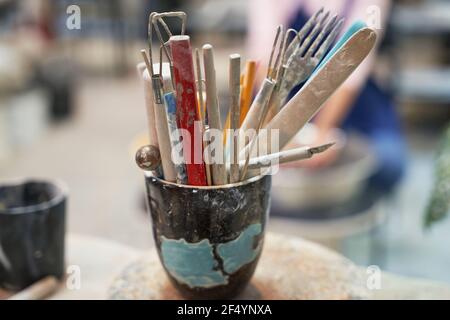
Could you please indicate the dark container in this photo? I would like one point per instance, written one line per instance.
(209, 239)
(32, 230)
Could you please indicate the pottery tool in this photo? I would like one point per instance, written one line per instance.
(303, 32)
(218, 170)
(187, 112)
(274, 102)
(247, 89)
(354, 28)
(258, 111)
(234, 83)
(258, 108)
(200, 80)
(309, 53)
(39, 290)
(174, 136)
(208, 161)
(148, 158)
(307, 102)
(158, 18)
(285, 156)
(149, 107)
(162, 128)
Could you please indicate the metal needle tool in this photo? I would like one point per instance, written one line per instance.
(148, 158)
(159, 18)
(259, 108)
(285, 156)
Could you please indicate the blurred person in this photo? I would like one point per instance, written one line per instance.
(359, 105)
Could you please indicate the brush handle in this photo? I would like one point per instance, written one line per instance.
(188, 117)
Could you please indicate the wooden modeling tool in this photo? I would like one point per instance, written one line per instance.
(149, 107)
(39, 290)
(162, 128)
(218, 169)
(307, 102)
(207, 136)
(234, 80)
(247, 89)
(187, 112)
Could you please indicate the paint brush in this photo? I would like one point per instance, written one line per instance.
(218, 170)
(188, 118)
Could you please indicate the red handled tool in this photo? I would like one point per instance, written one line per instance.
(188, 117)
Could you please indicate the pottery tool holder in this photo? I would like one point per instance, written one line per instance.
(209, 218)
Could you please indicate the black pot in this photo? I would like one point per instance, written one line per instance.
(32, 230)
(209, 239)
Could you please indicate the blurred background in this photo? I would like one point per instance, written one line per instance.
(72, 108)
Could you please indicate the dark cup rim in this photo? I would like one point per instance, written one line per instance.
(148, 174)
(60, 195)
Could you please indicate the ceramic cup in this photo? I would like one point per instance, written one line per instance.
(209, 239)
(32, 229)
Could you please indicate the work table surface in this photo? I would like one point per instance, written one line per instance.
(317, 272)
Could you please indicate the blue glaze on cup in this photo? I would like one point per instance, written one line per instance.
(192, 263)
(195, 265)
(240, 251)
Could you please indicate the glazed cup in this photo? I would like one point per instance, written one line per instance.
(32, 231)
(209, 239)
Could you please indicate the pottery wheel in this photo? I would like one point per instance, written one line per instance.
(289, 268)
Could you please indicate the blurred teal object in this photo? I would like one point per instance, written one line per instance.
(439, 204)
